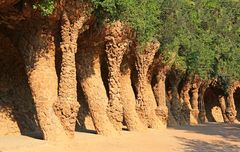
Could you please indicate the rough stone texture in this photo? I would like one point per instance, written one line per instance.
(116, 45)
(230, 108)
(171, 120)
(67, 103)
(202, 112)
(84, 119)
(89, 75)
(146, 103)
(195, 101)
(160, 95)
(131, 117)
(217, 114)
(195, 110)
(185, 101)
(176, 105)
(213, 99)
(7, 3)
(222, 103)
(230, 105)
(67, 106)
(88, 123)
(38, 49)
(11, 16)
(17, 111)
(8, 125)
(57, 106)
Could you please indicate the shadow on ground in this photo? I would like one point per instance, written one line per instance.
(202, 146)
(231, 132)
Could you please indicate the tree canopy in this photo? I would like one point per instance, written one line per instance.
(203, 37)
(198, 37)
(141, 15)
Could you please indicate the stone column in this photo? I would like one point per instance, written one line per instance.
(194, 100)
(67, 106)
(202, 110)
(185, 100)
(175, 78)
(38, 49)
(222, 103)
(89, 70)
(131, 117)
(146, 105)
(230, 107)
(160, 96)
(116, 46)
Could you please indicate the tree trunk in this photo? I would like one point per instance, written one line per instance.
(67, 106)
(90, 78)
(146, 101)
(116, 46)
(131, 117)
(38, 49)
(160, 96)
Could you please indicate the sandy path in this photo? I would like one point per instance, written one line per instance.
(208, 137)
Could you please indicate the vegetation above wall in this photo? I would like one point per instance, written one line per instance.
(198, 37)
(45, 6)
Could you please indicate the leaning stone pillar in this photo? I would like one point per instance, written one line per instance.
(38, 49)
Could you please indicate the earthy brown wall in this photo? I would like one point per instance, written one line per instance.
(17, 111)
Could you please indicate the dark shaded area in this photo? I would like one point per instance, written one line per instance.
(201, 146)
(104, 71)
(84, 107)
(15, 93)
(236, 96)
(168, 88)
(87, 131)
(210, 101)
(83, 110)
(87, 54)
(231, 132)
(134, 79)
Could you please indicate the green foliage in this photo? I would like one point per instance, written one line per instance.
(141, 15)
(202, 37)
(198, 37)
(45, 6)
(181, 30)
(225, 28)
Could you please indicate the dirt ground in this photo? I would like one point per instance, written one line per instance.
(209, 137)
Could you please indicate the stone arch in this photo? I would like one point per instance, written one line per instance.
(230, 101)
(212, 105)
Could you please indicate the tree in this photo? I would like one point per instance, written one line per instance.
(203, 38)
